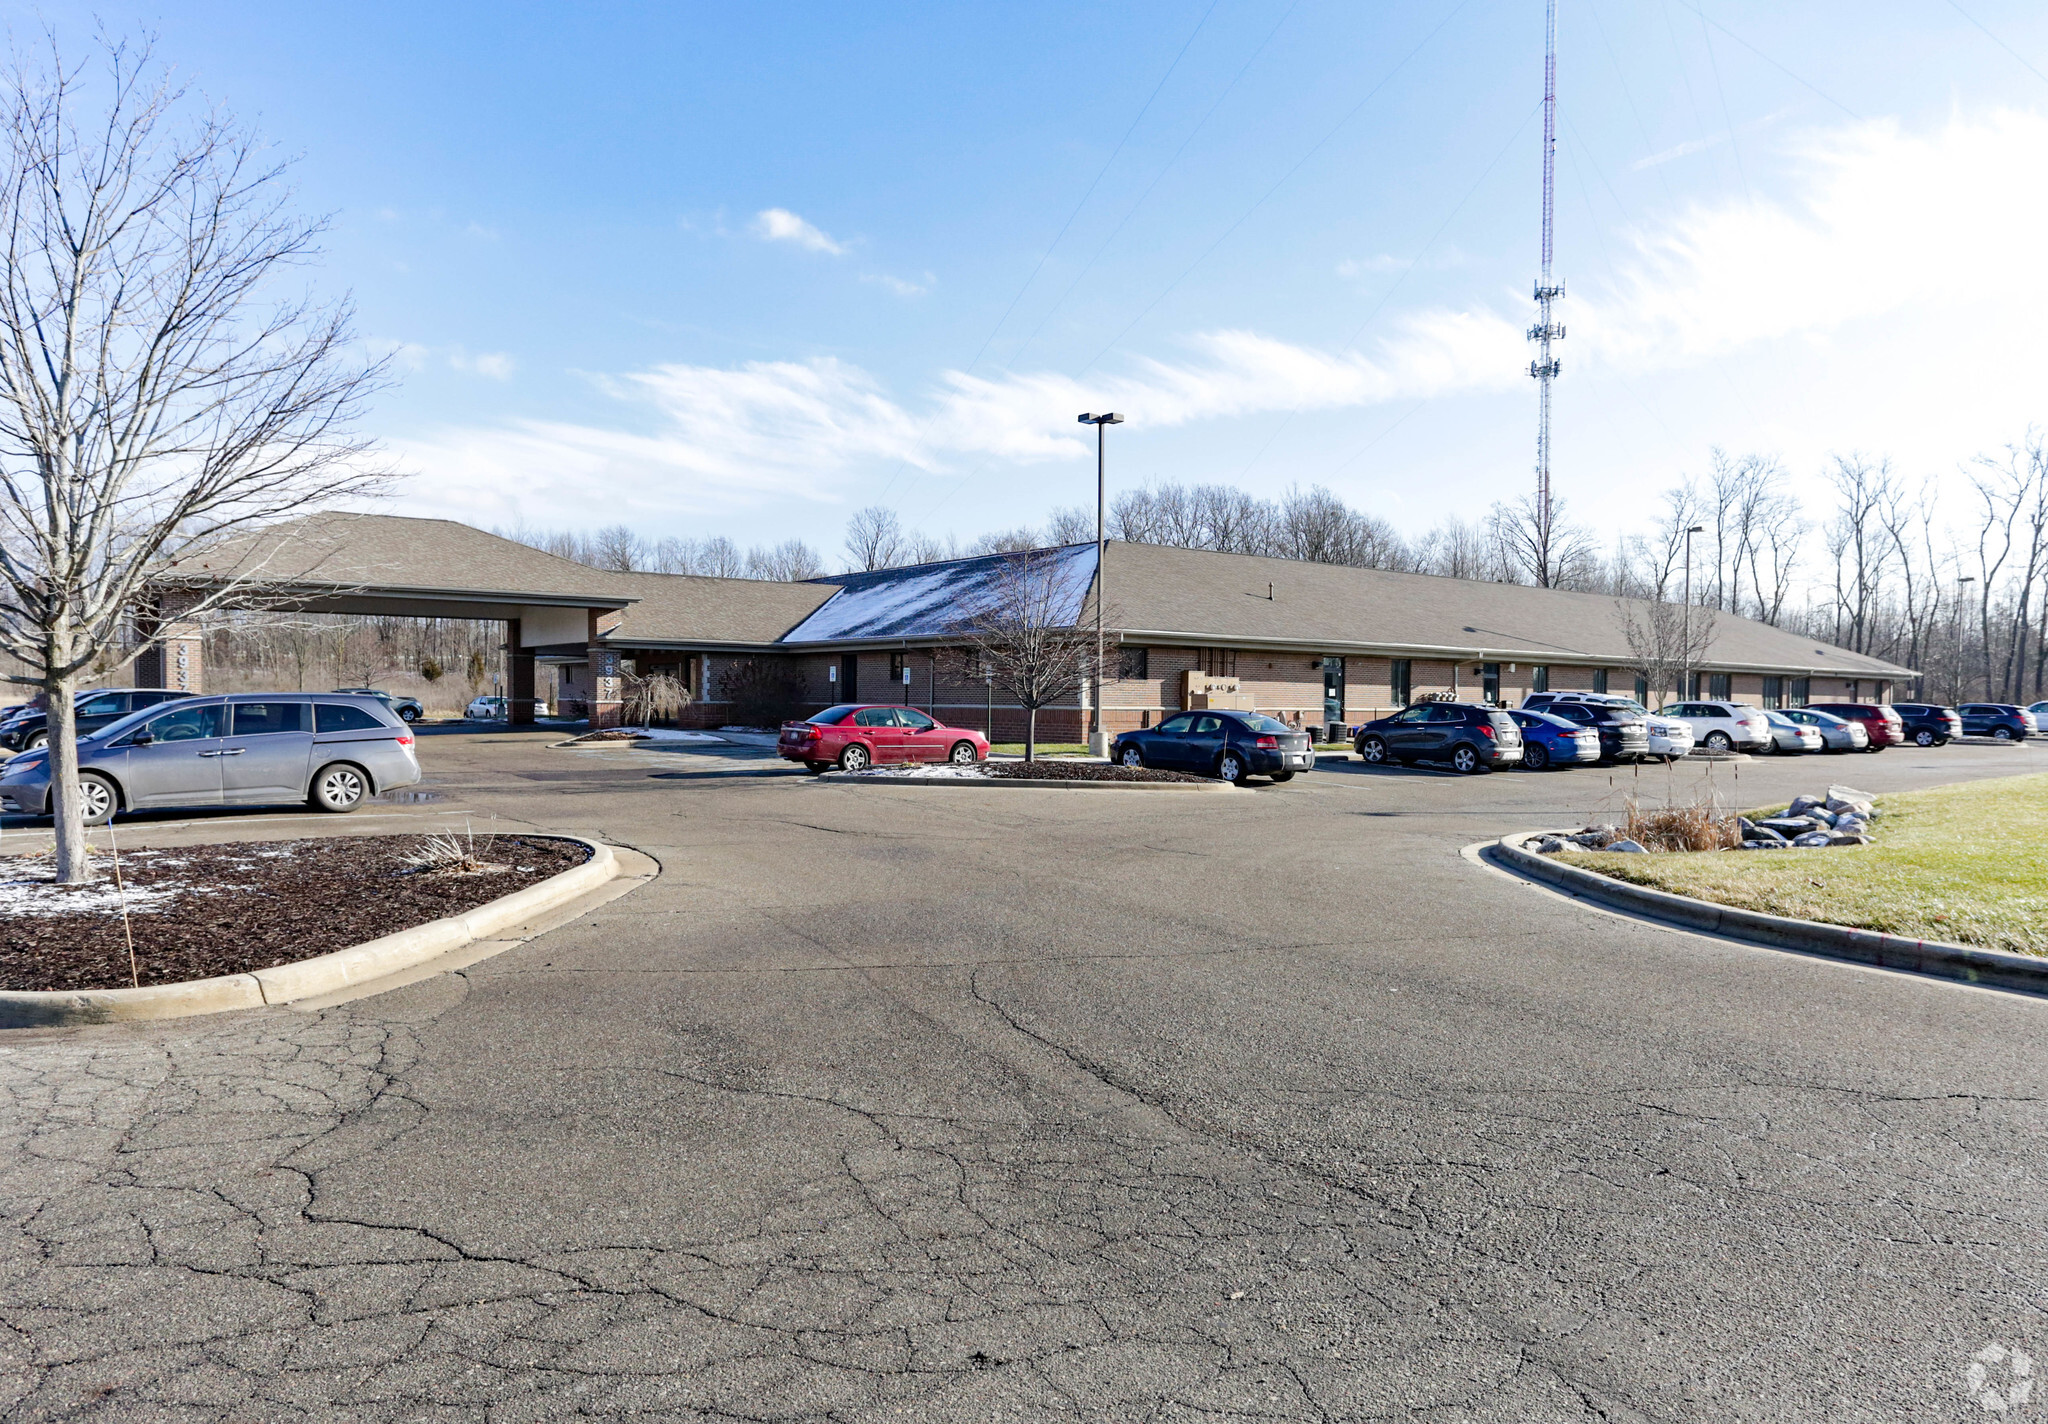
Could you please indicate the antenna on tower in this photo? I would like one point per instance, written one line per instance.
(1548, 291)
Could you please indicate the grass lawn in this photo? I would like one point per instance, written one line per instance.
(1965, 863)
(1044, 748)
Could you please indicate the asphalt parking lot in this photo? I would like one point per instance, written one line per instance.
(888, 1102)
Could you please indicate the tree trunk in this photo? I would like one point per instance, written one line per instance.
(1031, 734)
(68, 823)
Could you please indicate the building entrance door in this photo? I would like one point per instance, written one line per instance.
(1489, 682)
(1333, 689)
(849, 678)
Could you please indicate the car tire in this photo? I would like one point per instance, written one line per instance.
(963, 754)
(408, 714)
(338, 788)
(856, 758)
(1283, 776)
(1372, 751)
(2001, 734)
(1923, 738)
(1465, 759)
(1230, 767)
(98, 799)
(1719, 742)
(36, 740)
(1131, 756)
(1535, 756)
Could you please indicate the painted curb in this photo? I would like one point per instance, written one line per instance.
(850, 778)
(322, 974)
(1987, 968)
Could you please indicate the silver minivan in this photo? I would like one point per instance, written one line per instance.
(329, 750)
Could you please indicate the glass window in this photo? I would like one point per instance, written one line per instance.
(1774, 693)
(1802, 691)
(1218, 662)
(875, 717)
(255, 718)
(1413, 714)
(1441, 713)
(1599, 679)
(832, 716)
(1642, 689)
(1260, 722)
(1205, 725)
(1402, 681)
(915, 720)
(105, 706)
(1133, 664)
(1717, 685)
(339, 717)
(186, 724)
(1539, 678)
(1174, 726)
(895, 667)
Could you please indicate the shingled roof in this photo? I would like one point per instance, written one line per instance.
(692, 610)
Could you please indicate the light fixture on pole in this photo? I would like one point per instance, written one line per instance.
(1685, 638)
(1098, 740)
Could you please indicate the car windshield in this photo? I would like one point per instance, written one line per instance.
(1260, 722)
(833, 716)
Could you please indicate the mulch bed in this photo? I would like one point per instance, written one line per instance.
(201, 911)
(611, 734)
(1082, 771)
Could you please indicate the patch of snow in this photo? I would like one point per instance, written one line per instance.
(931, 599)
(40, 897)
(942, 771)
(672, 734)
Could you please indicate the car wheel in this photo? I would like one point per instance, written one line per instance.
(856, 758)
(1283, 776)
(1720, 742)
(1230, 768)
(2002, 734)
(36, 739)
(408, 714)
(1535, 756)
(1372, 751)
(96, 798)
(339, 787)
(1923, 738)
(1132, 757)
(963, 754)
(1465, 759)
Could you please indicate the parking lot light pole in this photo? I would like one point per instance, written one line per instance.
(1685, 638)
(1098, 739)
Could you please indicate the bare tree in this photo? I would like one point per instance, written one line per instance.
(618, 548)
(874, 539)
(1550, 553)
(156, 390)
(1027, 639)
(1070, 524)
(1665, 641)
(792, 561)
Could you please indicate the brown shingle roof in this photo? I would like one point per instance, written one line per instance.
(688, 608)
(1195, 594)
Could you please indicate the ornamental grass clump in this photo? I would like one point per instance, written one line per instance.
(1700, 826)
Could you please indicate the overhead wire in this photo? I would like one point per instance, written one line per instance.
(1721, 92)
(1795, 78)
(1999, 42)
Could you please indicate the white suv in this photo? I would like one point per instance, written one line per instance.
(1670, 738)
(1725, 726)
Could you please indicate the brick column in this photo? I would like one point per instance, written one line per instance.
(607, 695)
(173, 659)
(518, 677)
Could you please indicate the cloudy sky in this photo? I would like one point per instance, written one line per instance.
(743, 269)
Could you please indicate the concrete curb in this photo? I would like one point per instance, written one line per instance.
(322, 974)
(850, 778)
(1987, 968)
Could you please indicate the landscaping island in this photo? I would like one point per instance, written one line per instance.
(1964, 864)
(1030, 771)
(197, 912)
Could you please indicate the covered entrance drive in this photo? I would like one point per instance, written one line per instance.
(379, 564)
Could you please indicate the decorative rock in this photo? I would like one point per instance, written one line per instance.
(1786, 826)
(1848, 798)
(1549, 845)
(1629, 847)
(1802, 804)
(1764, 845)
(1842, 840)
(1813, 839)
(1766, 834)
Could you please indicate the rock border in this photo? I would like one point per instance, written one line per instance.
(1986, 968)
(323, 973)
(851, 778)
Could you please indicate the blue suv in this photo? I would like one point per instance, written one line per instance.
(1997, 719)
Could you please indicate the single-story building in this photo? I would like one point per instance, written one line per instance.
(1314, 643)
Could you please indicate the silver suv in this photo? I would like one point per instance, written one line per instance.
(327, 750)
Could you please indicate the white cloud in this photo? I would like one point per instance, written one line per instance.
(1680, 150)
(496, 365)
(900, 286)
(782, 225)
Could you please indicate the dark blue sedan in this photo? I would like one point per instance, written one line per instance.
(1997, 719)
(1549, 741)
(1229, 745)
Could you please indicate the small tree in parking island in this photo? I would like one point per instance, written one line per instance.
(1026, 640)
(1665, 641)
(157, 389)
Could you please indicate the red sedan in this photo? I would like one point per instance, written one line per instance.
(855, 738)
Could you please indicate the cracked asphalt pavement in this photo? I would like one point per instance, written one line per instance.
(888, 1103)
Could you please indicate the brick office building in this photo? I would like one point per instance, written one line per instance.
(1308, 642)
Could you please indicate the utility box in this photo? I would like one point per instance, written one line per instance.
(1200, 691)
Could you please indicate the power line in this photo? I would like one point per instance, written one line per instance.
(1721, 92)
(1999, 42)
(1803, 83)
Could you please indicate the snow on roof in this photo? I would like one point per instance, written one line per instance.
(935, 600)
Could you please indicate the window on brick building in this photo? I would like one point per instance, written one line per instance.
(1539, 678)
(1718, 682)
(1600, 680)
(1401, 681)
(1133, 664)
(895, 667)
(1774, 693)
(1802, 691)
(1217, 662)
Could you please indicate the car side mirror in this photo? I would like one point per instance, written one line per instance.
(141, 739)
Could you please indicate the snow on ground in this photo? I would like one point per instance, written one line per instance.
(34, 894)
(672, 734)
(944, 771)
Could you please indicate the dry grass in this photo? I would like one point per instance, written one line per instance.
(1701, 826)
(451, 854)
(1962, 863)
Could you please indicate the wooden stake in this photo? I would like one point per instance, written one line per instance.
(127, 931)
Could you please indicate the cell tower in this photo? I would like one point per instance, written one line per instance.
(1548, 292)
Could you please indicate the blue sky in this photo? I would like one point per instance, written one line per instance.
(742, 269)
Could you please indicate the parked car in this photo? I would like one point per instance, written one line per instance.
(1837, 734)
(498, 709)
(407, 708)
(855, 737)
(1624, 732)
(1790, 737)
(1929, 724)
(1997, 719)
(1725, 726)
(254, 748)
(31, 729)
(1670, 738)
(2040, 711)
(1880, 722)
(1224, 744)
(1549, 741)
(1470, 737)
